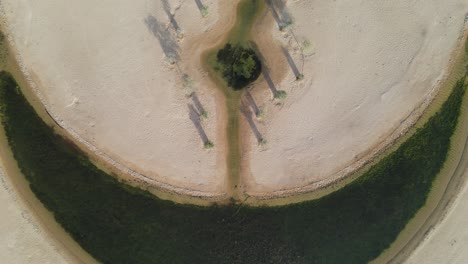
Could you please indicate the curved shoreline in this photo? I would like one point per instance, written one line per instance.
(39, 216)
(446, 189)
(101, 159)
(407, 127)
(186, 195)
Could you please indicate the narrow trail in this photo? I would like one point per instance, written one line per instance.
(247, 15)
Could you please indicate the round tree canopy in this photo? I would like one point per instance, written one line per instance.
(239, 65)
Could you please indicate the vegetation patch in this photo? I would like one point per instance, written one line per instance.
(3, 48)
(238, 65)
(117, 223)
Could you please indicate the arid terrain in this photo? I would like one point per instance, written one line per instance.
(116, 81)
(340, 83)
(128, 83)
(370, 69)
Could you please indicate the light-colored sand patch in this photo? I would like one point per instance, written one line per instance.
(29, 232)
(103, 70)
(448, 240)
(371, 69)
(22, 239)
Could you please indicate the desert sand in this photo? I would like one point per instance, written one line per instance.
(124, 78)
(127, 82)
(370, 69)
(116, 79)
(29, 232)
(447, 241)
(23, 240)
(447, 238)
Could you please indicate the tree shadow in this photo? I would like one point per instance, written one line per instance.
(252, 102)
(248, 115)
(200, 6)
(194, 116)
(265, 69)
(290, 61)
(197, 104)
(170, 15)
(280, 12)
(166, 40)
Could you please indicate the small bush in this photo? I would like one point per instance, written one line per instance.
(307, 48)
(286, 25)
(281, 94)
(239, 66)
(204, 11)
(209, 144)
(204, 115)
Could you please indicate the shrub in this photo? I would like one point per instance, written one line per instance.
(280, 94)
(239, 66)
(204, 11)
(209, 144)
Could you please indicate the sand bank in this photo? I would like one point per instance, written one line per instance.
(127, 83)
(29, 231)
(116, 79)
(370, 70)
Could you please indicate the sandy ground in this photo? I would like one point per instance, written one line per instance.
(359, 93)
(447, 240)
(106, 75)
(369, 72)
(29, 232)
(22, 239)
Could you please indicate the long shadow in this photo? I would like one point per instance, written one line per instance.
(167, 9)
(280, 12)
(252, 102)
(271, 84)
(290, 61)
(197, 103)
(166, 40)
(200, 6)
(265, 69)
(248, 115)
(273, 11)
(193, 115)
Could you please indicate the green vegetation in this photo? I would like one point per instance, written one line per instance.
(236, 61)
(280, 94)
(204, 115)
(208, 144)
(239, 35)
(204, 11)
(3, 48)
(117, 223)
(286, 24)
(307, 48)
(247, 12)
(238, 65)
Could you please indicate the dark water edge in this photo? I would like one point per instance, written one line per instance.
(117, 223)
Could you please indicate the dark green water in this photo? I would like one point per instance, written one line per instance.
(117, 223)
(120, 224)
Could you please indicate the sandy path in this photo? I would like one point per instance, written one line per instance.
(367, 79)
